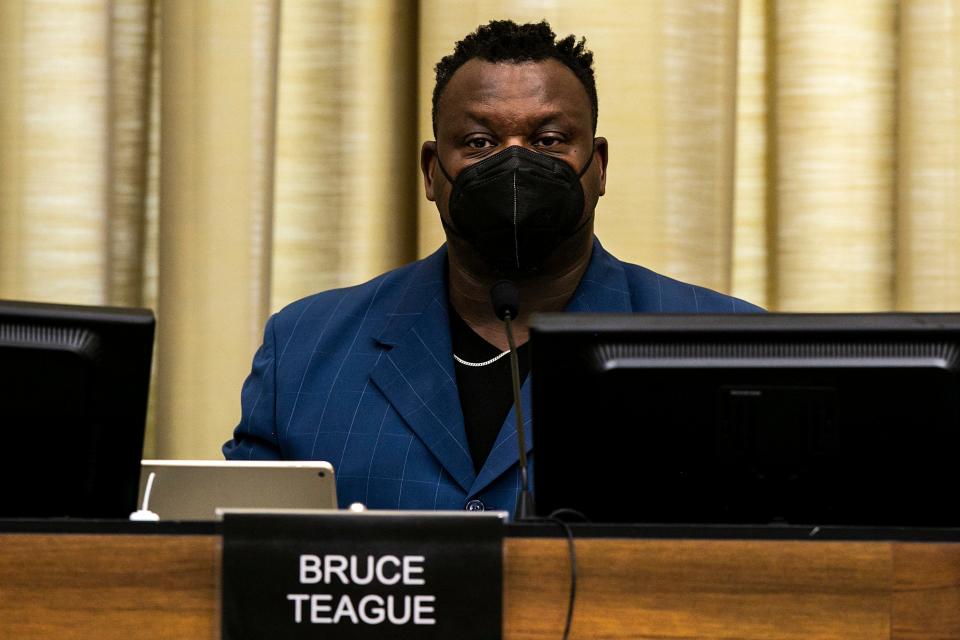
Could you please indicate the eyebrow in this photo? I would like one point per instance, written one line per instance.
(544, 119)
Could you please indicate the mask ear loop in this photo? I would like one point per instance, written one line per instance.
(449, 228)
(593, 147)
(580, 175)
(440, 164)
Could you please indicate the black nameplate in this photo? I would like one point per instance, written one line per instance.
(364, 575)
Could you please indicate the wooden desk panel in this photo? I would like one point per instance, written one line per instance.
(701, 589)
(68, 586)
(164, 586)
(926, 600)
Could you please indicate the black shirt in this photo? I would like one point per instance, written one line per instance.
(486, 393)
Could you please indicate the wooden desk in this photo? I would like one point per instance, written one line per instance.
(125, 585)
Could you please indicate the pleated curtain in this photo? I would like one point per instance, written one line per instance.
(216, 159)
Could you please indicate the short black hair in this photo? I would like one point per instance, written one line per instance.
(507, 41)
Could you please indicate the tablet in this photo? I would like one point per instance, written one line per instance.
(195, 489)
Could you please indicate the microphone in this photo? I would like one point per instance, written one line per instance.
(143, 514)
(506, 302)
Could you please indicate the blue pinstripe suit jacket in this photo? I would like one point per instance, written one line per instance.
(363, 377)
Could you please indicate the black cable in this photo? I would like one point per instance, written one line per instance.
(572, 551)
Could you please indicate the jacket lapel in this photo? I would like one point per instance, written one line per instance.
(416, 371)
(505, 452)
(603, 289)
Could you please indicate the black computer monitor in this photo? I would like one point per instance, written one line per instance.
(73, 404)
(839, 419)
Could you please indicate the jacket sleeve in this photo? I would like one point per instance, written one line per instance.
(255, 438)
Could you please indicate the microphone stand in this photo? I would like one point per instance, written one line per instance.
(504, 298)
(524, 509)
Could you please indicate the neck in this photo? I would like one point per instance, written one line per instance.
(546, 291)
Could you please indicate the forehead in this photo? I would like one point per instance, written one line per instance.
(512, 90)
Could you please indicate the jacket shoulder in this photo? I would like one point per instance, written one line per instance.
(653, 292)
(368, 303)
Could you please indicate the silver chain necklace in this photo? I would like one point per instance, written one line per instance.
(480, 364)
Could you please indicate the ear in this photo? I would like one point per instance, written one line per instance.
(428, 163)
(601, 153)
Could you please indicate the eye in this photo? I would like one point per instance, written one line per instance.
(548, 141)
(479, 143)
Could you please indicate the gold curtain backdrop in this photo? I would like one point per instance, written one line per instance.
(217, 159)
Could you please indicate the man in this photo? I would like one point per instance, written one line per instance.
(400, 382)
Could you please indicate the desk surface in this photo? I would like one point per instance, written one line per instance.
(535, 530)
(115, 580)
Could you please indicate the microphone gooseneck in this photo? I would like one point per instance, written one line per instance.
(505, 299)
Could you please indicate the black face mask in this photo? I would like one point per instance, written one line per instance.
(516, 207)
